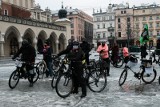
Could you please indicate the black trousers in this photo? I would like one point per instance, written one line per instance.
(107, 60)
(78, 79)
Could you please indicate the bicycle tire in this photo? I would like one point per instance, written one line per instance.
(36, 76)
(123, 76)
(97, 81)
(146, 76)
(54, 79)
(16, 76)
(41, 67)
(93, 64)
(64, 85)
(119, 65)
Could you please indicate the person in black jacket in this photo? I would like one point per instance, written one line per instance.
(28, 54)
(75, 55)
(86, 49)
(47, 57)
(144, 51)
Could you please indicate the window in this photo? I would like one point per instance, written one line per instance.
(119, 20)
(157, 25)
(121, 12)
(98, 27)
(124, 12)
(110, 24)
(5, 12)
(104, 35)
(38, 16)
(103, 25)
(103, 18)
(111, 34)
(98, 18)
(150, 18)
(72, 31)
(144, 18)
(98, 36)
(158, 17)
(110, 17)
(119, 26)
(72, 25)
(150, 25)
(128, 19)
(143, 11)
(158, 33)
(70, 13)
(119, 34)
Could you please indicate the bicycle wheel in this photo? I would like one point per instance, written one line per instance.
(119, 63)
(41, 67)
(123, 77)
(97, 81)
(93, 64)
(54, 79)
(14, 79)
(149, 77)
(36, 75)
(64, 85)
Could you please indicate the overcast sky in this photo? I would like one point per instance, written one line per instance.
(88, 5)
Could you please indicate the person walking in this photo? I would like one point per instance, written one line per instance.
(115, 52)
(103, 50)
(144, 51)
(86, 49)
(47, 57)
(28, 54)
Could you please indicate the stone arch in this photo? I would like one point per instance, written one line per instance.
(11, 41)
(62, 42)
(53, 40)
(42, 36)
(30, 36)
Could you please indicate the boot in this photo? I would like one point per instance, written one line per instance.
(75, 91)
(84, 91)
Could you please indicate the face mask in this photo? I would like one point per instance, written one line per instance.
(103, 44)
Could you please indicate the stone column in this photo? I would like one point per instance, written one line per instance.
(1, 44)
(57, 42)
(35, 43)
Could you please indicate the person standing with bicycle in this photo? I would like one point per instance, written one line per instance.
(104, 52)
(47, 57)
(28, 54)
(76, 55)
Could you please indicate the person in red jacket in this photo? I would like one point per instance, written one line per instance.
(125, 54)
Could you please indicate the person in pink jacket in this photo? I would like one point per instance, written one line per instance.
(125, 54)
(104, 52)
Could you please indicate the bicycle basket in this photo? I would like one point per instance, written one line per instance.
(147, 63)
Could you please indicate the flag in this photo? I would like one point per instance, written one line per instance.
(145, 35)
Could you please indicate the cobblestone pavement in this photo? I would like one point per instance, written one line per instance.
(131, 94)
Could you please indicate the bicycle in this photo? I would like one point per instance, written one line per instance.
(119, 61)
(60, 70)
(64, 83)
(41, 66)
(147, 77)
(17, 74)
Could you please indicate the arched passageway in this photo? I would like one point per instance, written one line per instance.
(40, 42)
(30, 36)
(12, 39)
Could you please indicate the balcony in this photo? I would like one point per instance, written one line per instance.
(110, 29)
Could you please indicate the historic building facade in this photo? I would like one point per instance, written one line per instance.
(81, 24)
(104, 24)
(16, 27)
(130, 24)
